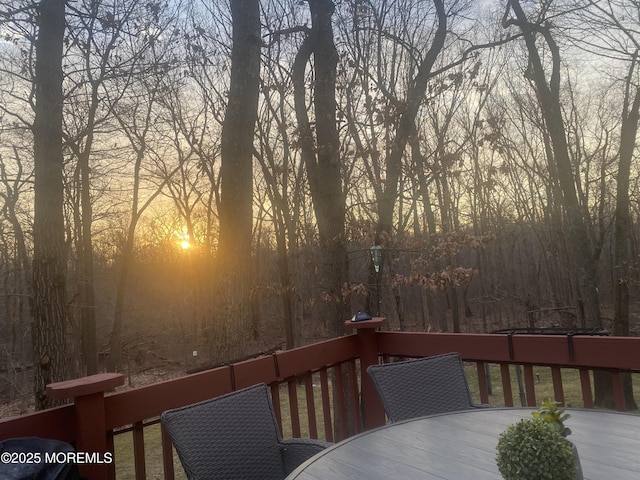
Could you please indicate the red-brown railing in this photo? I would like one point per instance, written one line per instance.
(584, 353)
(316, 375)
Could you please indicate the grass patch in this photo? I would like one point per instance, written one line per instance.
(123, 449)
(287, 427)
(543, 385)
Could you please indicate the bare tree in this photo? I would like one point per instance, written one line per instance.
(321, 156)
(548, 90)
(616, 40)
(93, 24)
(406, 123)
(136, 120)
(283, 178)
(547, 87)
(49, 259)
(236, 202)
(16, 178)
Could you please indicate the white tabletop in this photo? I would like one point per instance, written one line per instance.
(461, 446)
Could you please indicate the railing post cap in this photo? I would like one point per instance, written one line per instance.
(375, 322)
(79, 387)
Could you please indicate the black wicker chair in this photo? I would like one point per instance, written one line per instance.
(425, 386)
(235, 436)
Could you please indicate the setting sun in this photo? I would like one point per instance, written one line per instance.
(184, 239)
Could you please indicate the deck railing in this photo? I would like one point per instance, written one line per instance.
(317, 390)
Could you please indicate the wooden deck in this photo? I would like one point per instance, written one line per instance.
(329, 375)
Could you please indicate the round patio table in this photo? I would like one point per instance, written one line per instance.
(461, 446)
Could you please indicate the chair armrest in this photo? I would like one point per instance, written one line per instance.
(297, 450)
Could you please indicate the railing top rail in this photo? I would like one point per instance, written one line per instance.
(593, 352)
(146, 402)
(57, 422)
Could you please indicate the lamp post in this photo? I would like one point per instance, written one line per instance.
(376, 258)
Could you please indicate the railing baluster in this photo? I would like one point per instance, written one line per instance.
(530, 386)
(355, 397)
(326, 405)
(275, 398)
(618, 391)
(293, 407)
(585, 383)
(167, 454)
(311, 406)
(507, 392)
(558, 390)
(338, 393)
(138, 451)
(111, 470)
(482, 382)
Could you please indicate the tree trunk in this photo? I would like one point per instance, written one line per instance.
(87, 288)
(236, 207)
(436, 301)
(291, 319)
(622, 229)
(49, 258)
(236, 171)
(114, 363)
(322, 159)
(326, 174)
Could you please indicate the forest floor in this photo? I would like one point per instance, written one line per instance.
(24, 402)
(160, 357)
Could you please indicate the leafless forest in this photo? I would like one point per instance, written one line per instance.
(187, 182)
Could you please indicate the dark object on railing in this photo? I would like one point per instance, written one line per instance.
(33, 458)
(361, 316)
(251, 356)
(569, 332)
(235, 436)
(552, 331)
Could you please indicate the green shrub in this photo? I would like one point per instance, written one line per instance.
(535, 450)
(550, 413)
